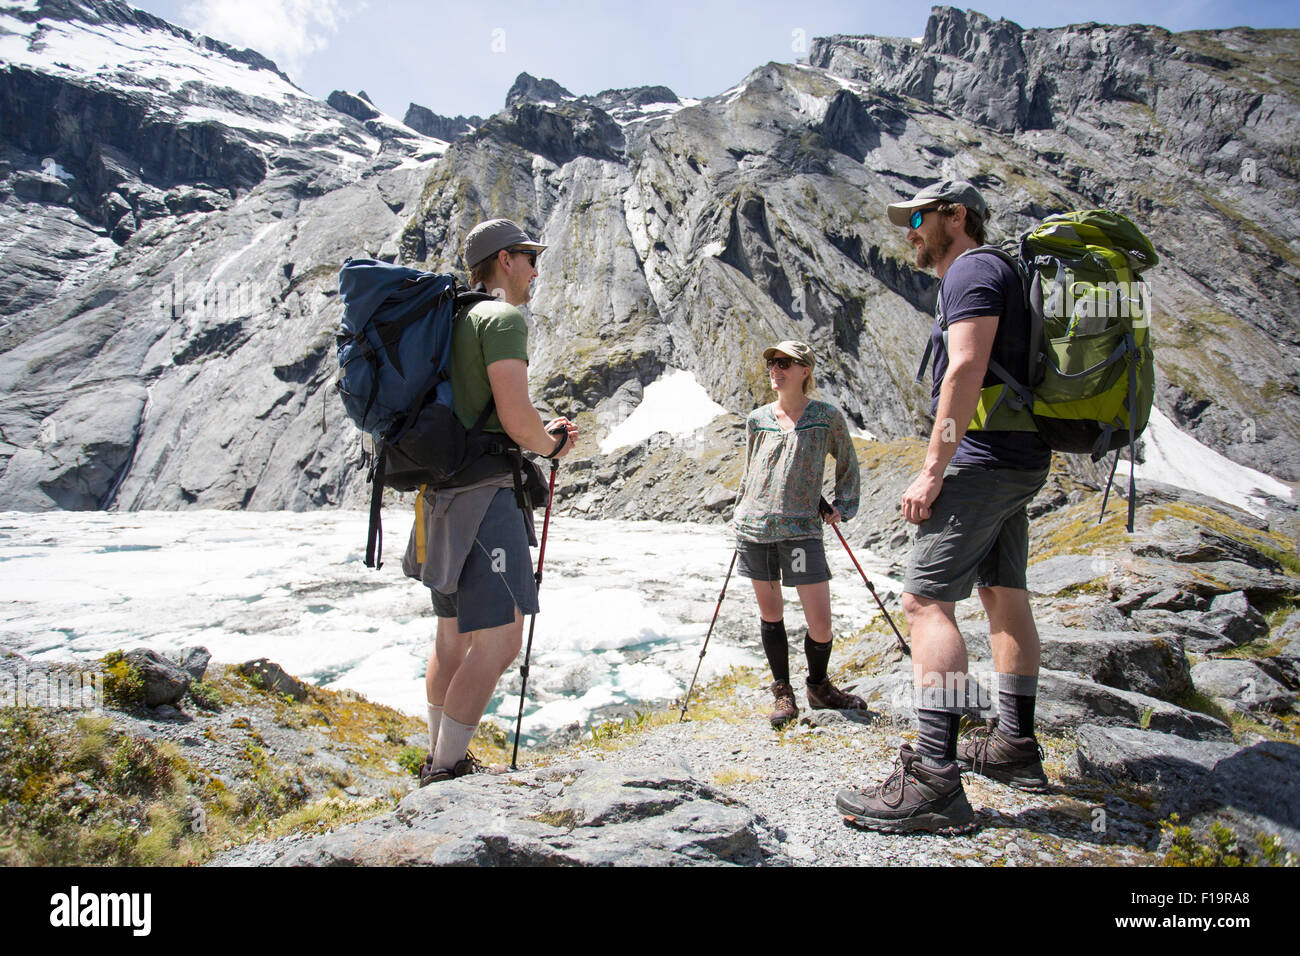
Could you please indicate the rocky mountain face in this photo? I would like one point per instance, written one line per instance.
(424, 120)
(175, 221)
(174, 212)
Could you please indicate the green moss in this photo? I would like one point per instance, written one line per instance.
(323, 816)
(560, 819)
(123, 682)
(1255, 650)
(1221, 846)
(1075, 530)
(140, 767)
(411, 759)
(205, 696)
(901, 453)
(268, 790)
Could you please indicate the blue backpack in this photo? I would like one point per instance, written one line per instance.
(394, 351)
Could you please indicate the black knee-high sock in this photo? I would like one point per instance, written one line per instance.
(937, 741)
(777, 649)
(1017, 695)
(819, 658)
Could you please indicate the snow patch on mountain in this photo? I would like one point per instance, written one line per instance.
(1176, 458)
(677, 403)
(128, 56)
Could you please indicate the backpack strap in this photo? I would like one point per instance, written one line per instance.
(1023, 398)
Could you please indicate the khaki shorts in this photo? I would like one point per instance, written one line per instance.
(977, 534)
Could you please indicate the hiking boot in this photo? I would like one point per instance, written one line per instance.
(431, 774)
(461, 768)
(913, 798)
(786, 710)
(470, 764)
(1016, 761)
(826, 696)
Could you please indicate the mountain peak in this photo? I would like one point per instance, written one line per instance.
(531, 89)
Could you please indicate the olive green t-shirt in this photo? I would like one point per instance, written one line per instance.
(487, 333)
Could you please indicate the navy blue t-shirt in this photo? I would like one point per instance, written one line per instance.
(984, 284)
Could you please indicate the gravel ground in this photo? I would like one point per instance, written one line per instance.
(791, 778)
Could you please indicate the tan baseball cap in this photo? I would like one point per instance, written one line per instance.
(488, 238)
(796, 350)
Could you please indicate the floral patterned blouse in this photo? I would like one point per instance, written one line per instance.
(784, 473)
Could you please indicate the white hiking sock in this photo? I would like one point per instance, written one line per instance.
(453, 741)
(434, 719)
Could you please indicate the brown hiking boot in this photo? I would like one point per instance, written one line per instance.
(1016, 761)
(431, 774)
(786, 710)
(461, 768)
(913, 798)
(826, 696)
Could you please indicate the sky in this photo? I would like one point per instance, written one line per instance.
(461, 58)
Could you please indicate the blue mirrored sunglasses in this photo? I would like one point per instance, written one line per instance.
(918, 215)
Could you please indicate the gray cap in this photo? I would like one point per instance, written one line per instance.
(949, 190)
(488, 238)
(796, 350)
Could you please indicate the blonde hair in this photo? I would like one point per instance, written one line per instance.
(808, 383)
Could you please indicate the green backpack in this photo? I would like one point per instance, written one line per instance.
(1091, 378)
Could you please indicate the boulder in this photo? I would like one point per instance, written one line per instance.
(718, 497)
(585, 815)
(164, 681)
(1064, 572)
(272, 677)
(194, 660)
(1233, 617)
(1065, 702)
(1241, 685)
(1147, 664)
(1252, 787)
(1187, 625)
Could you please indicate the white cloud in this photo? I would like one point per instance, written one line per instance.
(287, 31)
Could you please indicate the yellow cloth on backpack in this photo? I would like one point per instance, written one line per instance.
(421, 542)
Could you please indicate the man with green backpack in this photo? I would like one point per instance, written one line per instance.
(1027, 358)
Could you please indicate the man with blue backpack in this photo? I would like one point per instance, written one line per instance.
(470, 543)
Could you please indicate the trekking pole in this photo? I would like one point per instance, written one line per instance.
(687, 699)
(824, 507)
(541, 557)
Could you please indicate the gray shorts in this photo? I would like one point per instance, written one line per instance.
(977, 534)
(799, 561)
(498, 573)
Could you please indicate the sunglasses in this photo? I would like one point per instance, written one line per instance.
(783, 363)
(918, 215)
(530, 253)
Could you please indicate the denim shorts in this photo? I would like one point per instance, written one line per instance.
(977, 534)
(798, 561)
(498, 573)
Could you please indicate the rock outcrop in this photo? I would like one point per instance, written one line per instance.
(585, 814)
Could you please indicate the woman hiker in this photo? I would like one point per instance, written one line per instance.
(778, 527)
